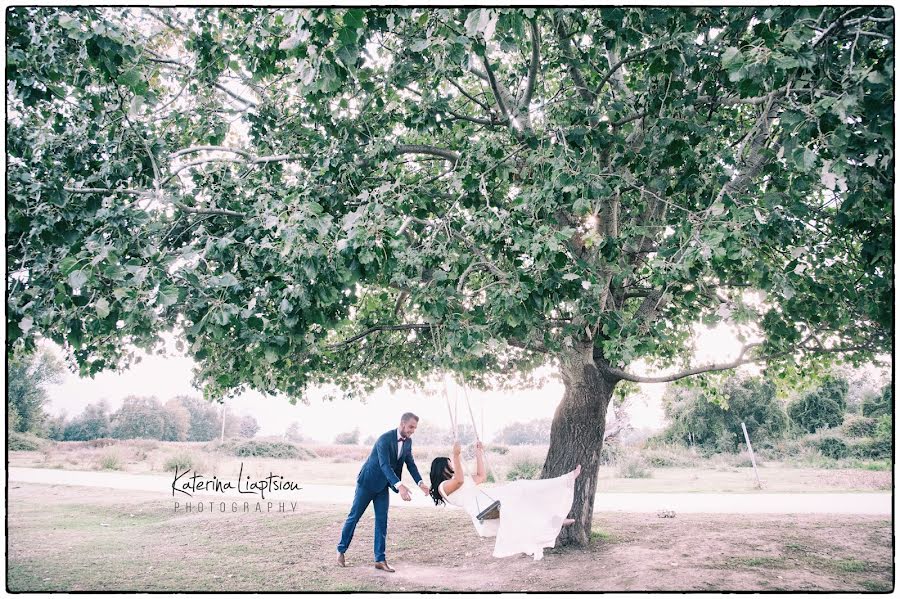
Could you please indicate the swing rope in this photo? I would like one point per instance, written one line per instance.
(492, 511)
(475, 429)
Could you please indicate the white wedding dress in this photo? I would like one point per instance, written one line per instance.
(531, 512)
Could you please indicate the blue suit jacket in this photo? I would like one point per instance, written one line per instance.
(384, 466)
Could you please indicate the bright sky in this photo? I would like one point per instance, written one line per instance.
(165, 377)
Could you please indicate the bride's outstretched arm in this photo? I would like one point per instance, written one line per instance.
(480, 474)
(457, 480)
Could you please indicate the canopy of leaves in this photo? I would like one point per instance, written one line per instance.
(358, 194)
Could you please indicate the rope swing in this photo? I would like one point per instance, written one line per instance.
(492, 511)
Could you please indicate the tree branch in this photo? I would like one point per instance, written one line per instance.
(484, 106)
(194, 149)
(739, 361)
(392, 327)
(618, 65)
(535, 64)
(136, 192)
(492, 80)
(835, 25)
(427, 150)
(574, 73)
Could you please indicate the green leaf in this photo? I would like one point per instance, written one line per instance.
(168, 295)
(133, 79)
(732, 59)
(77, 279)
(26, 324)
(102, 307)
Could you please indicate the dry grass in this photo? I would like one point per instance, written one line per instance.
(58, 542)
(339, 464)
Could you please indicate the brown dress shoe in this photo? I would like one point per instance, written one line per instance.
(383, 566)
(341, 561)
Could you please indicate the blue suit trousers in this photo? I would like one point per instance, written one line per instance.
(361, 502)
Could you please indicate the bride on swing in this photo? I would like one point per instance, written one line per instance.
(531, 512)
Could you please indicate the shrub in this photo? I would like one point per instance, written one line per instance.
(270, 449)
(634, 467)
(23, 442)
(881, 405)
(110, 461)
(832, 447)
(859, 426)
(884, 428)
(669, 457)
(533, 432)
(351, 438)
(610, 454)
(524, 468)
(351, 452)
(101, 442)
(873, 448)
(179, 461)
(742, 459)
(498, 449)
(821, 408)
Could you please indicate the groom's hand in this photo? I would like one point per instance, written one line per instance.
(424, 486)
(404, 493)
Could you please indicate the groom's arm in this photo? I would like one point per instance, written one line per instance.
(384, 461)
(411, 466)
(414, 471)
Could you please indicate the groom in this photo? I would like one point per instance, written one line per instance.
(380, 472)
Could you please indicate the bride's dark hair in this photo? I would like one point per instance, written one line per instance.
(439, 466)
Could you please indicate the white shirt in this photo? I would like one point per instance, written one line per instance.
(399, 443)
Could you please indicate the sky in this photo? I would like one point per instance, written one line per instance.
(167, 376)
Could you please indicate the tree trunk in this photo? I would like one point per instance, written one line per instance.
(576, 437)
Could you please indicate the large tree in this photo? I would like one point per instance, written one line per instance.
(360, 195)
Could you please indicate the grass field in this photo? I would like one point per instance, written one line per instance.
(339, 464)
(64, 538)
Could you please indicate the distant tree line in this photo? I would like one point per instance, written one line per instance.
(182, 418)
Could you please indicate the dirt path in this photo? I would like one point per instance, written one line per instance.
(693, 503)
(77, 538)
